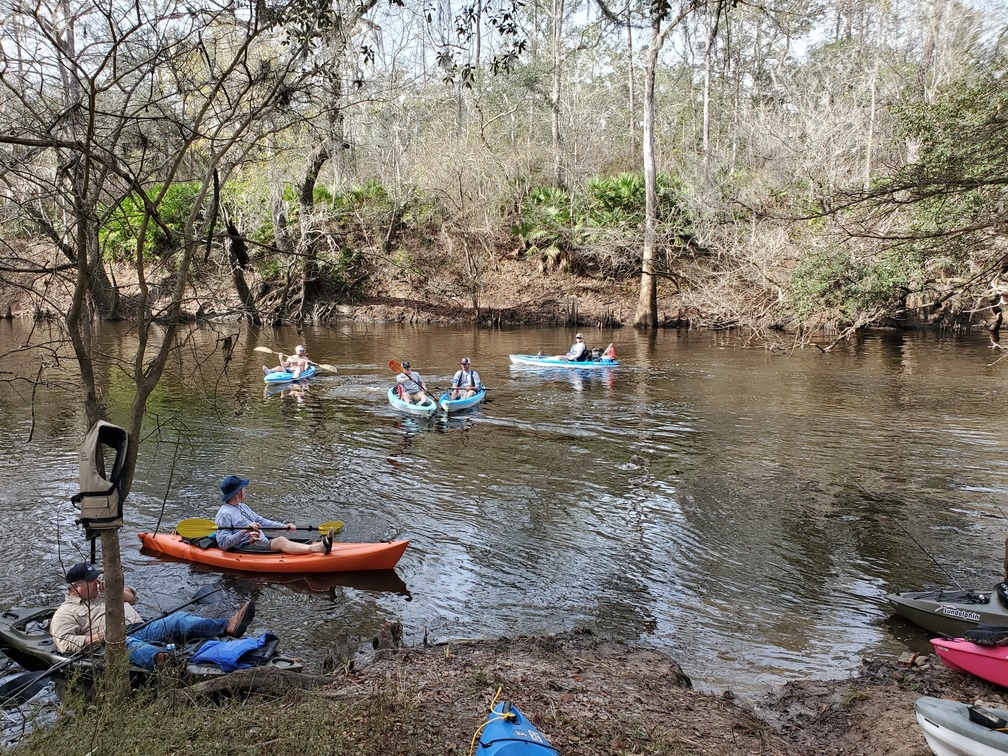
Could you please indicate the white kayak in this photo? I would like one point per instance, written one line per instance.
(956, 729)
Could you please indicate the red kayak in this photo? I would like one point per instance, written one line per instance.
(989, 663)
(345, 557)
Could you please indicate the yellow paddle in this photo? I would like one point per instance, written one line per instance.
(199, 527)
(323, 365)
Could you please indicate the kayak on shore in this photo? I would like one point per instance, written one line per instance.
(426, 408)
(344, 557)
(988, 662)
(25, 639)
(952, 728)
(950, 611)
(508, 732)
(284, 376)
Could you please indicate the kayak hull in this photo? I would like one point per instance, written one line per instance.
(451, 406)
(949, 731)
(25, 639)
(949, 611)
(427, 408)
(509, 733)
(345, 557)
(285, 377)
(532, 360)
(989, 663)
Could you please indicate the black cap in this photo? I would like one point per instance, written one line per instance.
(82, 571)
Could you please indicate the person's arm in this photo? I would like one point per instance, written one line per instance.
(264, 522)
(477, 383)
(66, 630)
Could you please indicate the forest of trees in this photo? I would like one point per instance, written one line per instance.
(784, 166)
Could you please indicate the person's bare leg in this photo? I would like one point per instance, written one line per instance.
(287, 546)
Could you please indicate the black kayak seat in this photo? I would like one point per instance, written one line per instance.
(988, 635)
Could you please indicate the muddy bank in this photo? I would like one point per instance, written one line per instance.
(589, 696)
(592, 696)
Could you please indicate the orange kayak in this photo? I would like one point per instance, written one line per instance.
(345, 557)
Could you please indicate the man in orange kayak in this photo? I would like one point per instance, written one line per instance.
(239, 527)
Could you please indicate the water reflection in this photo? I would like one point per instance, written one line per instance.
(710, 501)
(578, 378)
(295, 390)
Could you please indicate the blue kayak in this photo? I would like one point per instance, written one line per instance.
(282, 376)
(509, 733)
(424, 409)
(532, 360)
(459, 405)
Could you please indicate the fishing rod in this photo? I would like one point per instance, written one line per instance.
(939, 565)
(908, 535)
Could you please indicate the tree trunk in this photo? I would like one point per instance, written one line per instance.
(557, 41)
(631, 109)
(116, 678)
(647, 304)
(310, 270)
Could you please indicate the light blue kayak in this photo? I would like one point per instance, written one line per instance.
(282, 376)
(552, 362)
(424, 409)
(509, 733)
(460, 405)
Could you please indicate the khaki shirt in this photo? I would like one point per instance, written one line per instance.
(77, 619)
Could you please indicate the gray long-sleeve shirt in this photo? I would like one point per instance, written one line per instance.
(233, 521)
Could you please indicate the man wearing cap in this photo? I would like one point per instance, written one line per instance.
(577, 352)
(466, 381)
(297, 363)
(239, 527)
(79, 621)
(414, 390)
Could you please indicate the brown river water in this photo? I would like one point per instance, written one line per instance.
(744, 511)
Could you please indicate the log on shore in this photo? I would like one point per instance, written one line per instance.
(255, 680)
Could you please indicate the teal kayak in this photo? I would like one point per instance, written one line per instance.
(460, 405)
(508, 733)
(424, 409)
(532, 360)
(282, 376)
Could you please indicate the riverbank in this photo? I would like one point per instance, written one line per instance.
(504, 291)
(591, 697)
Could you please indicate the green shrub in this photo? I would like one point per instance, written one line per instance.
(620, 200)
(119, 233)
(830, 280)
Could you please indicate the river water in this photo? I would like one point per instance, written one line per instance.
(743, 511)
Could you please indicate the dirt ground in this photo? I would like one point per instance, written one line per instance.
(594, 697)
